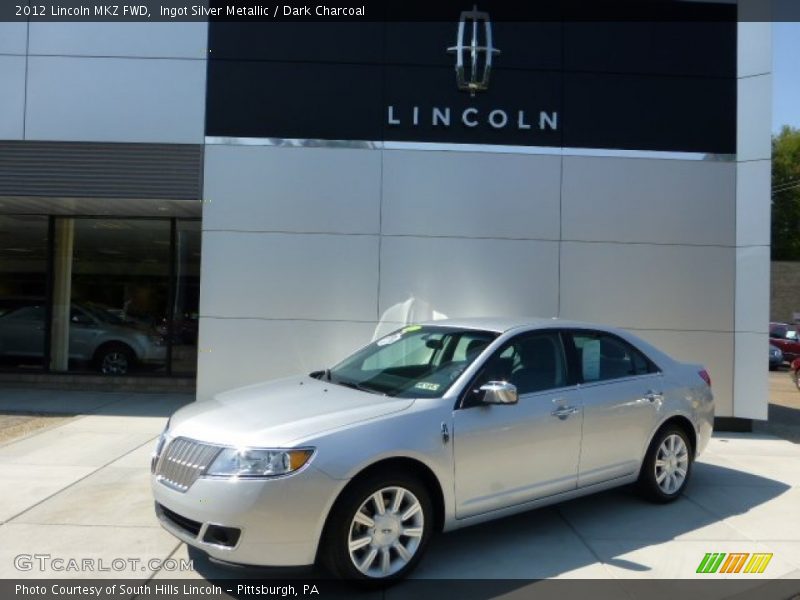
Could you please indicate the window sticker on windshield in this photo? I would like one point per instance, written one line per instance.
(389, 339)
(591, 360)
(411, 328)
(424, 385)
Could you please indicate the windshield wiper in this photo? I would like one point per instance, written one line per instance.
(358, 386)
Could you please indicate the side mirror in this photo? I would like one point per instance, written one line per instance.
(499, 392)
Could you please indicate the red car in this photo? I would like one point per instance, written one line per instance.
(795, 367)
(785, 337)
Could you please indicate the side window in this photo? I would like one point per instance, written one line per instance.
(533, 363)
(26, 313)
(469, 346)
(603, 357)
(776, 331)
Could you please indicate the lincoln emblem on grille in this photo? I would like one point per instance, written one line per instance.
(481, 44)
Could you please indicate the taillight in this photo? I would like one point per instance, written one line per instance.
(705, 377)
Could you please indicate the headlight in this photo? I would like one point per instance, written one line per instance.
(258, 462)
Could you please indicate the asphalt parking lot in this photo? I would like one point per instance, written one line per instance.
(81, 490)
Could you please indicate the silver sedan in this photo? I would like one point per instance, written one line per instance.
(430, 428)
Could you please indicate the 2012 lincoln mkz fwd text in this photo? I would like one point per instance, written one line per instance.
(430, 428)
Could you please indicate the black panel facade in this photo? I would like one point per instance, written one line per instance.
(667, 86)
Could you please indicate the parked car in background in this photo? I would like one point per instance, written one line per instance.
(794, 370)
(432, 427)
(785, 337)
(775, 357)
(96, 336)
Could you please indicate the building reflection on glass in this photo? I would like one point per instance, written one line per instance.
(412, 310)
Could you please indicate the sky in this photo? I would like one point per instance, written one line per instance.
(785, 75)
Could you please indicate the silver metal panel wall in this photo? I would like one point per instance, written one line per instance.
(13, 38)
(103, 82)
(12, 96)
(752, 201)
(643, 243)
(173, 39)
(649, 201)
(115, 99)
(301, 190)
(473, 194)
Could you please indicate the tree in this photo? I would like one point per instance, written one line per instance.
(786, 194)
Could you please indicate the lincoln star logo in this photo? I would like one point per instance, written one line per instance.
(472, 73)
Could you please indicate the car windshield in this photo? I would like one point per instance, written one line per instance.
(412, 362)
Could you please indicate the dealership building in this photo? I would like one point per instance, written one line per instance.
(235, 201)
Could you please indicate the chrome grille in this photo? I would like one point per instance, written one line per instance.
(183, 461)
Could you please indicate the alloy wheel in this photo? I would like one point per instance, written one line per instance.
(671, 464)
(386, 532)
(115, 363)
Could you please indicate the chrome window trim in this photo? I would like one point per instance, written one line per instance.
(450, 147)
(627, 378)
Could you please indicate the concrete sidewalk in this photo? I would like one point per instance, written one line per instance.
(81, 490)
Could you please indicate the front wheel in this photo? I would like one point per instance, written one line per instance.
(667, 466)
(378, 530)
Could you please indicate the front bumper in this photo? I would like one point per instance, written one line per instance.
(279, 520)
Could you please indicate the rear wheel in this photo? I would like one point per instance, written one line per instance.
(667, 465)
(114, 359)
(378, 530)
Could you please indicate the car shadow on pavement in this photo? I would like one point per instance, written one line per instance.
(580, 538)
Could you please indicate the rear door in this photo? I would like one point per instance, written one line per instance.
(621, 390)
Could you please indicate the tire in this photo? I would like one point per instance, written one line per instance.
(384, 555)
(667, 465)
(114, 359)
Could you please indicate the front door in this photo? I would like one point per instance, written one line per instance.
(510, 454)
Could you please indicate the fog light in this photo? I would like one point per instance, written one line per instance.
(222, 536)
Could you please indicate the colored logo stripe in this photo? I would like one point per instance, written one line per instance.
(734, 562)
(758, 563)
(713, 562)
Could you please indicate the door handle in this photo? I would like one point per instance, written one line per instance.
(653, 396)
(564, 411)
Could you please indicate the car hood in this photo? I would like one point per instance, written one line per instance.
(280, 413)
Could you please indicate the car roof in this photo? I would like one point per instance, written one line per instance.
(504, 324)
